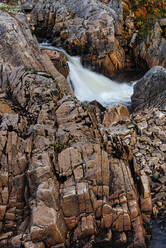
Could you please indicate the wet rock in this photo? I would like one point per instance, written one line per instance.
(88, 30)
(59, 61)
(65, 174)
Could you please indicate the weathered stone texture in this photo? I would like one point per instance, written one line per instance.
(67, 179)
(83, 28)
(150, 92)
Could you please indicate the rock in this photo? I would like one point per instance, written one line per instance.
(59, 61)
(123, 238)
(159, 204)
(150, 91)
(30, 244)
(66, 180)
(6, 235)
(28, 5)
(65, 177)
(115, 114)
(2, 212)
(28, 50)
(163, 22)
(155, 211)
(109, 235)
(163, 147)
(88, 30)
(151, 50)
(17, 240)
(4, 108)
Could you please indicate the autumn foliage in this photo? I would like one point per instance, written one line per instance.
(149, 8)
(146, 12)
(141, 12)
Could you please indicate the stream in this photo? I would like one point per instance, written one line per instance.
(89, 86)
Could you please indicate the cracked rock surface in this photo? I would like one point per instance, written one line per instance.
(71, 175)
(59, 182)
(86, 28)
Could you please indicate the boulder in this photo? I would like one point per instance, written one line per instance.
(59, 61)
(150, 90)
(115, 114)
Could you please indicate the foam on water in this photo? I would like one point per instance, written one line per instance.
(89, 86)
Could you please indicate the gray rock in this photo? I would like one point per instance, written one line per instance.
(152, 49)
(28, 5)
(150, 91)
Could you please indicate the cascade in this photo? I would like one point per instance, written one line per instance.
(89, 86)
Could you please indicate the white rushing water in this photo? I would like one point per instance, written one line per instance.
(89, 86)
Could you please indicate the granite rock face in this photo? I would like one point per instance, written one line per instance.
(73, 174)
(58, 178)
(59, 61)
(17, 45)
(150, 91)
(152, 49)
(85, 28)
(66, 180)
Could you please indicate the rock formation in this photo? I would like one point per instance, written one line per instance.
(144, 33)
(66, 179)
(74, 174)
(150, 91)
(86, 28)
(151, 51)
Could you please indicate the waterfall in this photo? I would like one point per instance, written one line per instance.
(89, 86)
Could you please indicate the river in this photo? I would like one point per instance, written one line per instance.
(89, 86)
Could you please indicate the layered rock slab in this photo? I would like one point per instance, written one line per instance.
(62, 178)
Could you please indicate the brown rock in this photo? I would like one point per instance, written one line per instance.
(74, 28)
(4, 108)
(155, 211)
(59, 61)
(107, 218)
(109, 235)
(159, 204)
(6, 235)
(59, 177)
(146, 205)
(51, 223)
(123, 237)
(2, 212)
(87, 226)
(30, 244)
(17, 240)
(115, 115)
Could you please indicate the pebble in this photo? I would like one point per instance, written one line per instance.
(159, 204)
